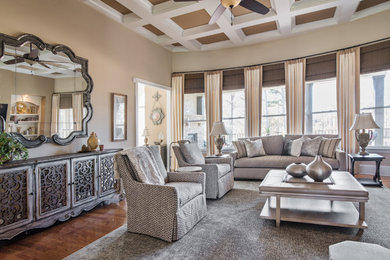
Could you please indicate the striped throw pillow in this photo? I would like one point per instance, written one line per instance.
(240, 148)
(328, 147)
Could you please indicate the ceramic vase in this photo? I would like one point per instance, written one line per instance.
(93, 142)
(319, 170)
(297, 170)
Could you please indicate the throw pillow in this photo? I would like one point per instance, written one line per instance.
(287, 139)
(254, 148)
(328, 147)
(192, 153)
(310, 147)
(294, 147)
(240, 148)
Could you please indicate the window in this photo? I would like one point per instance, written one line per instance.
(65, 121)
(321, 107)
(274, 111)
(195, 119)
(233, 115)
(375, 98)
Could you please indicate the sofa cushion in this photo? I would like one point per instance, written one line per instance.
(240, 148)
(294, 147)
(254, 148)
(273, 144)
(186, 191)
(223, 169)
(310, 146)
(192, 153)
(278, 161)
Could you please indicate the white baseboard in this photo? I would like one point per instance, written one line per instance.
(370, 169)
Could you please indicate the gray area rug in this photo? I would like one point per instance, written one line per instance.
(233, 230)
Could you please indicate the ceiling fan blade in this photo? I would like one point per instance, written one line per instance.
(43, 64)
(217, 13)
(14, 61)
(254, 6)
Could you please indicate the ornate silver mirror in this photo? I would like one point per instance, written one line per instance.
(44, 91)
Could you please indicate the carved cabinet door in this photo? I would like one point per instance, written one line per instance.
(16, 197)
(107, 184)
(53, 188)
(84, 179)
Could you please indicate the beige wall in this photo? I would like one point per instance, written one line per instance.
(69, 84)
(162, 103)
(27, 85)
(115, 55)
(321, 40)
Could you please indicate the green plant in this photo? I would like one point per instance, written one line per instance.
(11, 149)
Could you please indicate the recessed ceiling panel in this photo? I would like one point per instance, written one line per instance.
(153, 29)
(315, 16)
(117, 6)
(369, 3)
(191, 20)
(213, 38)
(260, 28)
(156, 2)
(177, 44)
(239, 10)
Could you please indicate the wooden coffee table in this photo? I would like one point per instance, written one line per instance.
(314, 203)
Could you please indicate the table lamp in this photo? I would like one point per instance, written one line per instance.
(362, 122)
(146, 134)
(218, 131)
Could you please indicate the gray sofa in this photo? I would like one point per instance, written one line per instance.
(258, 167)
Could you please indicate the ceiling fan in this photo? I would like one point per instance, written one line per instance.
(252, 5)
(31, 58)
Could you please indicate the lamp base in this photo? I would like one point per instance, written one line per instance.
(364, 139)
(364, 153)
(219, 142)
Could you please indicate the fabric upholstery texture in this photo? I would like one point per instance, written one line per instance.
(310, 146)
(273, 144)
(240, 148)
(192, 153)
(294, 147)
(162, 211)
(223, 169)
(155, 149)
(328, 147)
(254, 148)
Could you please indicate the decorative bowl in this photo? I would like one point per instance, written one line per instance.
(297, 170)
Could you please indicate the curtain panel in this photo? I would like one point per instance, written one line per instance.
(295, 90)
(213, 87)
(77, 105)
(348, 98)
(55, 109)
(253, 91)
(177, 113)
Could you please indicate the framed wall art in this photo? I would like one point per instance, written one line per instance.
(119, 117)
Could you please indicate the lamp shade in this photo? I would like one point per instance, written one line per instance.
(363, 121)
(146, 132)
(218, 129)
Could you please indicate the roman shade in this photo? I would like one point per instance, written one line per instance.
(375, 57)
(194, 83)
(321, 67)
(273, 75)
(233, 79)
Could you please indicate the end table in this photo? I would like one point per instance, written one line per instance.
(373, 157)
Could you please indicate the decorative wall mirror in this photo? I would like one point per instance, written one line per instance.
(45, 91)
(119, 117)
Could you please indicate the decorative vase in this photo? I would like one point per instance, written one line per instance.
(297, 170)
(93, 142)
(319, 170)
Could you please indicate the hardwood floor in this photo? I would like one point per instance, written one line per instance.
(63, 239)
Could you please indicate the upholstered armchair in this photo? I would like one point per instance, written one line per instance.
(218, 170)
(165, 211)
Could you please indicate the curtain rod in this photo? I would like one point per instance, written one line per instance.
(280, 61)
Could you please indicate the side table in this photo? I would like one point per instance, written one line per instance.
(372, 157)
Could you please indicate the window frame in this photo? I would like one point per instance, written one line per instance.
(274, 115)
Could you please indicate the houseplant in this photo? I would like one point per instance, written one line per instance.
(11, 149)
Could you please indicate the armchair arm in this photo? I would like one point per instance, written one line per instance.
(219, 160)
(197, 177)
(341, 156)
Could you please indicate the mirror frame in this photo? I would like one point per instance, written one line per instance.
(59, 48)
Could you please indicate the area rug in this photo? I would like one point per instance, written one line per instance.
(232, 229)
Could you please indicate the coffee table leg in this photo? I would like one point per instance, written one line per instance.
(277, 210)
(362, 211)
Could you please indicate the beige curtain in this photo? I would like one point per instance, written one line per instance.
(348, 98)
(177, 113)
(55, 108)
(253, 91)
(77, 107)
(213, 92)
(295, 90)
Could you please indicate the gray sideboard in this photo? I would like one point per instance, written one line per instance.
(36, 193)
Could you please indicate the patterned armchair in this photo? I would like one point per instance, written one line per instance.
(218, 170)
(165, 211)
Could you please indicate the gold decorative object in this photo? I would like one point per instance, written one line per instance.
(362, 122)
(146, 133)
(218, 131)
(21, 107)
(93, 142)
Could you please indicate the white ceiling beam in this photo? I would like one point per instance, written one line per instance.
(345, 10)
(201, 31)
(371, 11)
(172, 9)
(282, 9)
(105, 9)
(253, 19)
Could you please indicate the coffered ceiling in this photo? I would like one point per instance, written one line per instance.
(183, 26)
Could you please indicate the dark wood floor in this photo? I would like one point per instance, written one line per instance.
(63, 239)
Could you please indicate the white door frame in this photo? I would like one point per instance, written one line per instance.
(137, 82)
